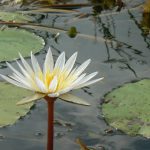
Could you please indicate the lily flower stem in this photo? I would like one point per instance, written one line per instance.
(50, 131)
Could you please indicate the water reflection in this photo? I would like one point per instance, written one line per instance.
(119, 47)
(101, 5)
(146, 39)
(140, 144)
(122, 50)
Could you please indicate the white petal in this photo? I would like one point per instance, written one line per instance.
(30, 99)
(18, 79)
(26, 74)
(49, 62)
(88, 77)
(60, 61)
(72, 85)
(41, 85)
(73, 99)
(13, 81)
(14, 70)
(78, 79)
(53, 84)
(82, 67)
(53, 95)
(22, 81)
(26, 65)
(72, 72)
(65, 90)
(35, 64)
(88, 83)
(70, 63)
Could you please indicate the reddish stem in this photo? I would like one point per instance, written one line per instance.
(50, 131)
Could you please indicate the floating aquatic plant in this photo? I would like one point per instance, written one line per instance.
(9, 111)
(19, 41)
(51, 82)
(72, 32)
(14, 17)
(127, 108)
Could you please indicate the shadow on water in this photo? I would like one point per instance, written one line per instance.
(138, 144)
(118, 44)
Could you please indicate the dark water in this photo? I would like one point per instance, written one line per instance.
(120, 51)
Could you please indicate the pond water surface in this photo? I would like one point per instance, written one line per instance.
(120, 51)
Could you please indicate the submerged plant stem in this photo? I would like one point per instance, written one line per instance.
(50, 131)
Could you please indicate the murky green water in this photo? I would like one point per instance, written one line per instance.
(120, 51)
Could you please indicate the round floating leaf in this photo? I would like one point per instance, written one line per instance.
(9, 96)
(14, 16)
(13, 41)
(128, 108)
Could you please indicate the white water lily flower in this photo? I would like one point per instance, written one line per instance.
(54, 80)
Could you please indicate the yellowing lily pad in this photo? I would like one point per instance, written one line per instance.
(9, 96)
(13, 41)
(128, 108)
(14, 17)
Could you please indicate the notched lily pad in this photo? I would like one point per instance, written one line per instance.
(13, 41)
(128, 108)
(9, 111)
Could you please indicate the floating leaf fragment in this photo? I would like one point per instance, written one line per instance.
(14, 17)
(47, 10)
(82, 145)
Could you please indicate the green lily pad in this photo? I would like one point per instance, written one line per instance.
(128, 108)
(13, 41)
(14, 17)
(9, 96)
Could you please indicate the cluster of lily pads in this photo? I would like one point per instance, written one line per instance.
(12, 41)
